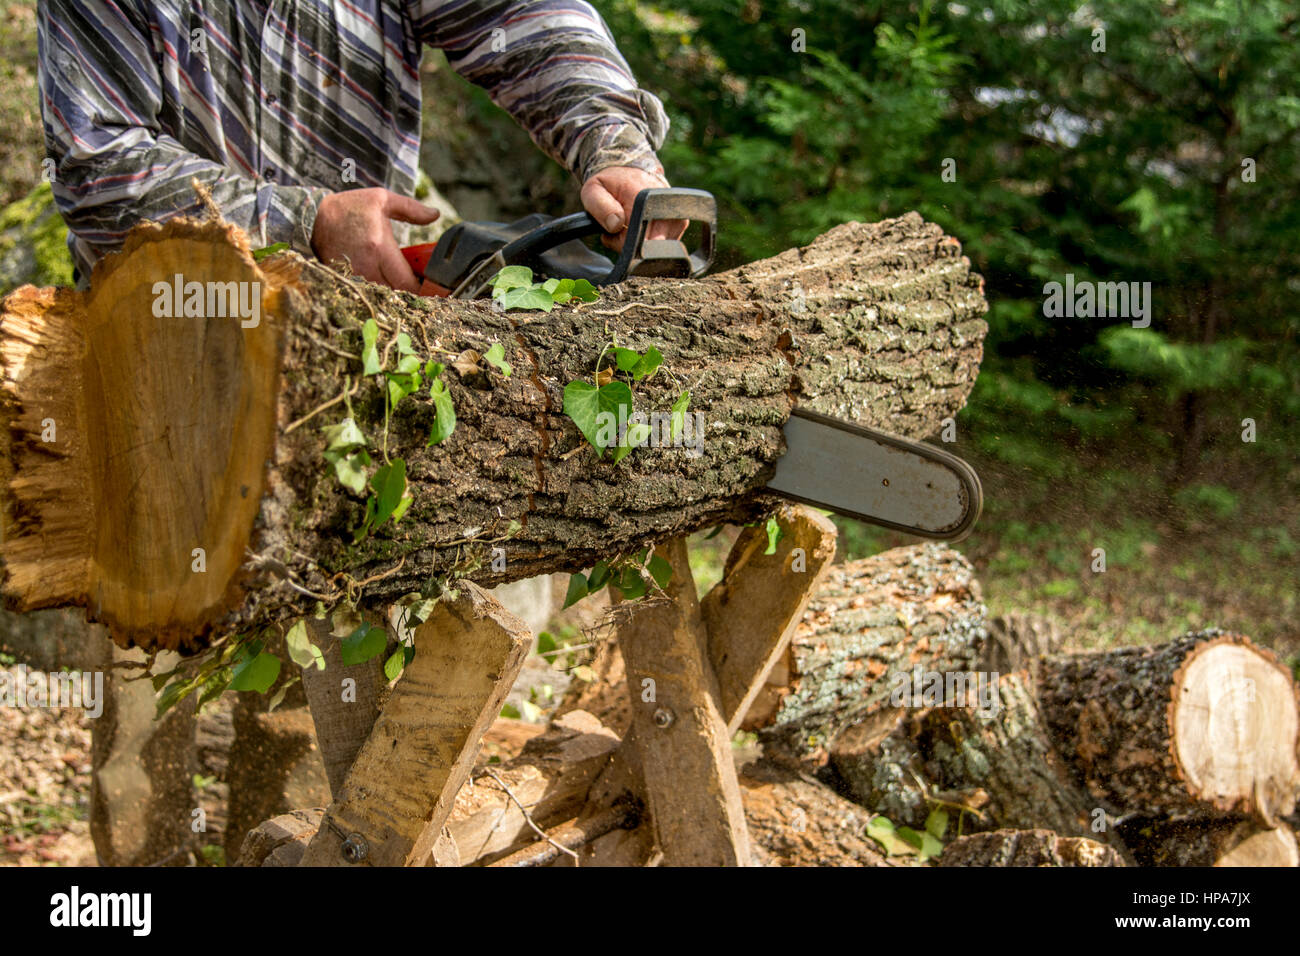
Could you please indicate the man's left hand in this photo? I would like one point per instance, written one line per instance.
(608, 196)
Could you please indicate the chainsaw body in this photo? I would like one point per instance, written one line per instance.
(469, 254)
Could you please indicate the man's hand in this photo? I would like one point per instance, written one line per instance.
(609, 195)
(355, 225)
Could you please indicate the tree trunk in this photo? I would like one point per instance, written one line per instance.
(1206, 722)
(992, 757)
(166, 472)
(870, 625)
(1207, 841)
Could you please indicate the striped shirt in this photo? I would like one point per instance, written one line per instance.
(274, 103)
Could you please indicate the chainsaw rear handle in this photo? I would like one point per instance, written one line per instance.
(655, 257)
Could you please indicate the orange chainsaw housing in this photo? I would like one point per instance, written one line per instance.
(418, 257)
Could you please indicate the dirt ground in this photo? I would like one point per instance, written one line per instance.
(45, 787)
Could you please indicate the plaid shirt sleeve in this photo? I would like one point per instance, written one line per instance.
(100, 97)
(553, 65)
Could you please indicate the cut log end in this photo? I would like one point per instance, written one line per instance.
(1233, 722)
(142, 415)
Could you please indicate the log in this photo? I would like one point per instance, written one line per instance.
(172, 434)
(994, 758)
(1210, 841)
(795, 821)
(870, 623)
(1026, 848)
(1204, 723)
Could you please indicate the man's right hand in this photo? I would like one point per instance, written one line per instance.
(355, 225)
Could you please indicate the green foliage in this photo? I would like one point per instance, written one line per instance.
(773, 529)
(600, 409)
(255, 669)
(630, 577)
(1171, 157)
(361, 645)
(266, 251)
(513, 287)
(1216, 500)
(33, 242)
(588, 406)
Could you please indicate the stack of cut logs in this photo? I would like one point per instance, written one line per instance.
(1182, 753)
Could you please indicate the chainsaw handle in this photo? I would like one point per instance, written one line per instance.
(667, 257)
(577, 225)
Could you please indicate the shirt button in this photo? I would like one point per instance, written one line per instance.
(270, 99)
(269, 174)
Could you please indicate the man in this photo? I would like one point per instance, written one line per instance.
(302, 119)
(303, 116)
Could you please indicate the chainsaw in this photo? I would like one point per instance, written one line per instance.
(849, 469)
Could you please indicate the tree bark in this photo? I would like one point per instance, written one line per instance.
(1026, 848)
(1210, 841)
(870, 624)
(995, 759)
(182, 433)
(1204, 723)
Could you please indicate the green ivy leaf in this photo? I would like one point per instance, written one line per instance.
(546, 643)
(881, 829)
(260, 254)
(560, 290)
(173, 694)
(637, 365)
(577, 590)
(256, 671)
(389, 484)
(636, 436)
(599, 576)
(278, 697)
(404, 381)
(344, 436)
(773, 529)
(534, 297)
(369, 351)
(584, 291)
(626, 359)
(660, 570)
(445, 422)
(350, 468)
(936, 824)
(395, 664)
(678, 419)
(301, 649)
(361, 645)
(496, 357)
(930, 847)
(511, 277)
(630, 583)
(401, 507)
(586, 405)
(212, 688)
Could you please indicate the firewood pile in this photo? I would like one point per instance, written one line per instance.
(898, 725)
